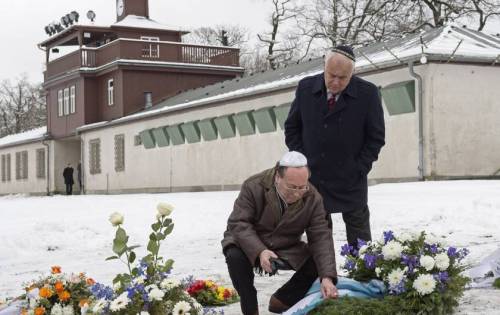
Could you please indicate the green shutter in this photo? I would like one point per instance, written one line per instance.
(161, 136)
(176, 135)
(147, 139)
(225, 126)
(191, 131)
(281, 113)
(208, 129)
(265, 119)
(244, 123)
(399, 98)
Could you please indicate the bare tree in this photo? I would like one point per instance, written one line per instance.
(280, 48)
(482, 10)
(219, 35)
(22, 106)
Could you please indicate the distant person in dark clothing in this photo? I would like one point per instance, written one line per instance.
(79, 176)
(68, 179)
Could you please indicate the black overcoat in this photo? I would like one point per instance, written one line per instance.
(340, 145)
(68, 175)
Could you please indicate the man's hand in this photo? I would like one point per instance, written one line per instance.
(264, 259)
(328, 289)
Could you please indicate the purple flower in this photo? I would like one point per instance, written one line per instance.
(346, 249)
(361, 243)
(452, 252)
(410, 261)
(388, 236)
(462, 253)
(432, 248)
(398, 289)
(101, 291)
(349, 264)
(370, 261)
(441, 276)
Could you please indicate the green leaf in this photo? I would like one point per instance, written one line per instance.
(168, 265)
(150, 270)
(121, 235)
(167, 222)
(156, 226)
(152, 237)
(133, 247)
(119, 247)
(153, 247)
(169, 229)
(131, 258)
(112, 257)
(160, 236)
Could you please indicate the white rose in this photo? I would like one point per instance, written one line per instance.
(442, 261)
(68, 310)
(424, 284)
(169, 283)
(156, 294)
(139, 280)
(116, 218)
(378, 271)
(392, 250)
(427, 262)
(164, 209)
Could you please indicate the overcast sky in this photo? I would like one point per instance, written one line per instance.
(22, 23)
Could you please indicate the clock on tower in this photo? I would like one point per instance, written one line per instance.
(131, 7)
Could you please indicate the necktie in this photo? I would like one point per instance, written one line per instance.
(331, 102)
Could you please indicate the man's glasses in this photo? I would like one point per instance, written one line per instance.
(296, 189)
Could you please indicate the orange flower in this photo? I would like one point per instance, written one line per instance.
(64, 296)
(83, 302)
(59, 286)
(90, 281)
(82, 275)
(24, 311)
(45, 292)
(39, 310)
(56, 269)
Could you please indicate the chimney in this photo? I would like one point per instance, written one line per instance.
(131, 7)
(148, 100)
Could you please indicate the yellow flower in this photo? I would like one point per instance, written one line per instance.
(209, 283)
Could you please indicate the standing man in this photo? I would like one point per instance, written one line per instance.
(273, 210)
(68, 179)
(79, 176)
(337, 121)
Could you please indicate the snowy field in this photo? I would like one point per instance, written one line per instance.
(74, 232)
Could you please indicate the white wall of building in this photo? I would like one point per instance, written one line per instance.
(32, 184)
(462, 120)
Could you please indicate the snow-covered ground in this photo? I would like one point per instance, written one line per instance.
(74, 232)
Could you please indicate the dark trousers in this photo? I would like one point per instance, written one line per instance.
(69, 189)
(242, 276)
(357, 225)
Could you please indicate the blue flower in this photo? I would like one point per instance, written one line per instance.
(361, 243)
(411, 261)
(388, 236)
(432, 248)
(398, 289)
(349, 264)
(370, 261)
(346, 249)
(452, 252)
(100, 291)
(441, 276)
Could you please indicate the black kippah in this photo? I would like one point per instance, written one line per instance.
(346, 51)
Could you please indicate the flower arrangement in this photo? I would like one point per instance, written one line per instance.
(418, 270)
(208, 293)
(58, 294)
(146, 288)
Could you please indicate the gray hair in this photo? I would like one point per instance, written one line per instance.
(329, 55)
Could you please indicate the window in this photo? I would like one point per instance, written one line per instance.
(40, 163)
(7, 168)
(60, 103)
(137, 140)
(22, 165)
(66, 101)
(72, 99)
(111, 92)
(4, 171)
(120, 153)
(95, 156)
(151, 50)
(399, 98)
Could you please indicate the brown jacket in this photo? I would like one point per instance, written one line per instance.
(256, 224)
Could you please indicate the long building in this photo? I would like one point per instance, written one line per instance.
(144, 112)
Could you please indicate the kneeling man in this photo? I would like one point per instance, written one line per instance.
(273, 210)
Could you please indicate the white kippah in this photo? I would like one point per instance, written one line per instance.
(293, 159)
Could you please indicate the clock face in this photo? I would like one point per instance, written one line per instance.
(120, 6)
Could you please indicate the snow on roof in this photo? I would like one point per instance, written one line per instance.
(143, 22)
(29, 135)
(447, 41)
